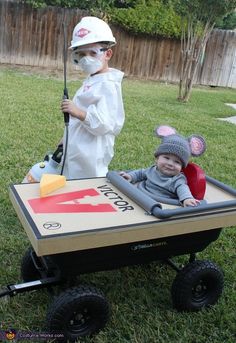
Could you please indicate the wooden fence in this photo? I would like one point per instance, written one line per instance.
(35, 38)
(219, 64)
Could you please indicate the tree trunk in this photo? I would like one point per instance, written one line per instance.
(192, 47)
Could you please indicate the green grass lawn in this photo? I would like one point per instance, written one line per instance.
(31, 124)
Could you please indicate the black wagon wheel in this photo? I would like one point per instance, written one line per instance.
(29, 272)
(78, 312)
(199, 284)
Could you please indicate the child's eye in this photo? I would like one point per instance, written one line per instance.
(93, 53)
(79, 54)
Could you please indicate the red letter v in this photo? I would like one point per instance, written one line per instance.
(54, 203)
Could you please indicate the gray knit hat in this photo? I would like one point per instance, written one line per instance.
(175, 144)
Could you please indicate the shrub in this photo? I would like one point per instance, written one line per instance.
(155, 19)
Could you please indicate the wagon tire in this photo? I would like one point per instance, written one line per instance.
(28, 270)
(199, 284)
(78, 312)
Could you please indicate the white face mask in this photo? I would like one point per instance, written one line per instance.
(90, 65)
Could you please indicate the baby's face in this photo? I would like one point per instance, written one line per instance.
(168, 164)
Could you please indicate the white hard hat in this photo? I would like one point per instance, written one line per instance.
(91, 30)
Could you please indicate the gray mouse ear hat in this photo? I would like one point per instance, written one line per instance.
(173, 143)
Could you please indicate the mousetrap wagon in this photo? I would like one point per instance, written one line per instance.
(100, 224)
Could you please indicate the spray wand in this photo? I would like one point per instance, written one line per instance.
(65, 96)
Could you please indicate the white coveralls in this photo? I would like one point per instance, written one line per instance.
(91, 142)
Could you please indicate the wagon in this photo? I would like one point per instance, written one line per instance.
(99, 224)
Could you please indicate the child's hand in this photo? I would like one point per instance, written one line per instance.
(191, 202)
(67, 106)
(126, 176)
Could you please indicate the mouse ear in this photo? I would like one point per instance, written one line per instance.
(164, 130)
(197, 145)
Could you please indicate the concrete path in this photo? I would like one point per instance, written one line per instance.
(230, 119)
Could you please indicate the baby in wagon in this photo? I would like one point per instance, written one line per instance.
(166, 178)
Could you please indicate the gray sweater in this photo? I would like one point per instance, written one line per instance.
(156, 184)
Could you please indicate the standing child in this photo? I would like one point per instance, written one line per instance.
(165, 178)
(96, 112)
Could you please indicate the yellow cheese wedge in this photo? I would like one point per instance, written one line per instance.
(50, 183)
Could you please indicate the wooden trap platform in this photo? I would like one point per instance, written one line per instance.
(102, 212)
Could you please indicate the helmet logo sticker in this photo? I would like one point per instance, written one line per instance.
(82, 32)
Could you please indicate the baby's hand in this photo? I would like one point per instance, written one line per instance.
(191, 202)
(126, 176)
